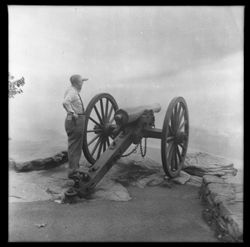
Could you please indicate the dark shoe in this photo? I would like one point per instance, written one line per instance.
(71, 192)
(73, 175)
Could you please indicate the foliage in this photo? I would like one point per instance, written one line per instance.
(15, 86)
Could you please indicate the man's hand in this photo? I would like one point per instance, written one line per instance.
(75, 116)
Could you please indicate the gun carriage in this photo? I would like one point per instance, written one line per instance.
(110, 131)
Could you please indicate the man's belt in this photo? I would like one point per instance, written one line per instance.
(79, 114)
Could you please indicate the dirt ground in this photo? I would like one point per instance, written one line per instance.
(153, 214)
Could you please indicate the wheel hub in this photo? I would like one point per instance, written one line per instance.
(108, 129)
(180, 137)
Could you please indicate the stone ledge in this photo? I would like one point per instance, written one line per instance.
(201, 164)
(40, 164)
(207, 179)
(225, 206)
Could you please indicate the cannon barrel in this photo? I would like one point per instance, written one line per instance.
(129, 115)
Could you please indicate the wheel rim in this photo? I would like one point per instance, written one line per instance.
(99, 123)
(175, 134)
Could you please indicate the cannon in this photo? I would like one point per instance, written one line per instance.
(109, 131)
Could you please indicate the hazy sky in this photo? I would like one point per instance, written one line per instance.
(118, 47)
(61, 40)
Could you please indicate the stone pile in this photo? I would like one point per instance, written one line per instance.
(225, 207)
(40, 164)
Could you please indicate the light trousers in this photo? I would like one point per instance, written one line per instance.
(74, 129)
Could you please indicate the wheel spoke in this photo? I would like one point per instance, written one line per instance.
(110, 112)
(178, 153)
(94, 130)
(175, 110)
(180, 127)
(181, 115)
(177, 114)
(95, 147)
(172, 122)
(110, 139)
(172, 164)
(170, 153)
(93, 120)
(93, 139)
(175, 157)
(169, 138)
(99, 151)
(182, 146)
(107, 145)
(169, 147)
(170, 130)
(98, 115)
(104, 145)
(102, 111)
(108, 142)
(106, 109)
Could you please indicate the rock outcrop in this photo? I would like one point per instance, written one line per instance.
(183, 178)
(201, 164)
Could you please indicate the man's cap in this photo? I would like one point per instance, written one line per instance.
(77, 78)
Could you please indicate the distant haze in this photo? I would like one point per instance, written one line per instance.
(140, 55)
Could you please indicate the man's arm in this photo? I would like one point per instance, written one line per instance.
(67, 103)
(67, 107)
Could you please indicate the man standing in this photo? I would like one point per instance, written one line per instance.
(74, 122)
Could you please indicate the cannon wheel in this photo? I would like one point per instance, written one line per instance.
(97, 134)
(174, 140)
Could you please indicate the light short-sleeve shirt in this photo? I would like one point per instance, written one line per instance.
(72, 101)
